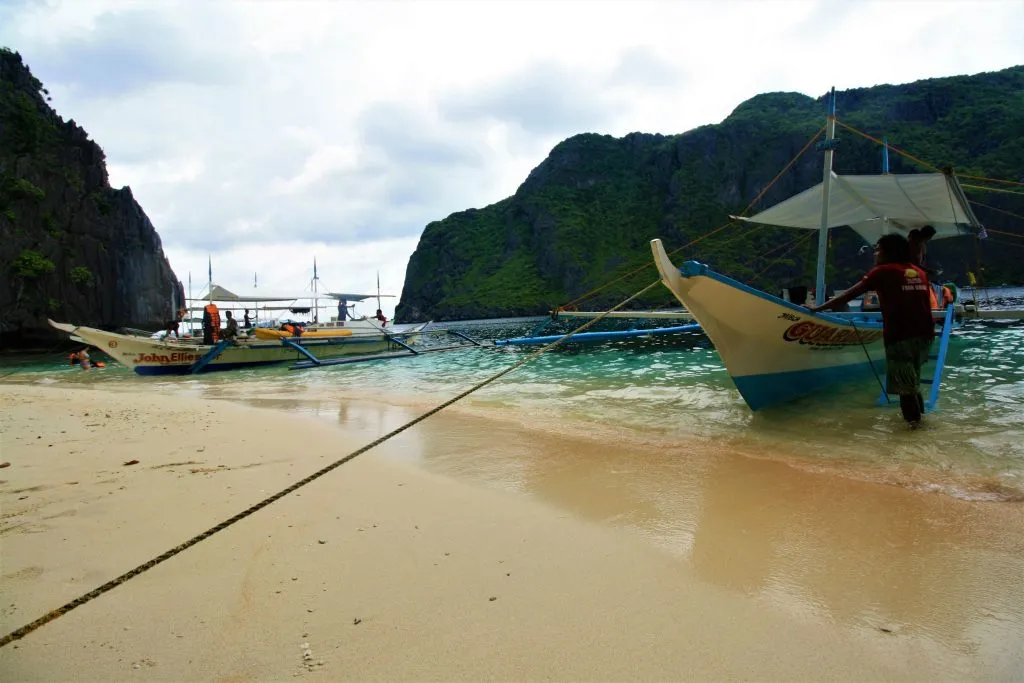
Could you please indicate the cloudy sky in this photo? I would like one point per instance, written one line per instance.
(263, 133)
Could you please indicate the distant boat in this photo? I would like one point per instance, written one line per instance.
(775, 350)
(148, 355)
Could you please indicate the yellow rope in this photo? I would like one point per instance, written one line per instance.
(792, 245)
(1004, 232)
(114, 583)
(934, 168)
(754, 201)
(991, 180)
(639, 269)
(993, 208)
(880, 142)
(992, 189)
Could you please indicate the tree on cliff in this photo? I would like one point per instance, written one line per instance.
(71, 246)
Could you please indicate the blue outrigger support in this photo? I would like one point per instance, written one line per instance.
(301, 349)
(209, 356)
(940, 365)
(466, 337)
(406, 352)
(598, 336)
(396, 340)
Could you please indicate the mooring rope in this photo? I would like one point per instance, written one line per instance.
(755, 200)
(885, 391)
(145, 566)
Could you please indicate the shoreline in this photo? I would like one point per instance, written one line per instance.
(771, 573)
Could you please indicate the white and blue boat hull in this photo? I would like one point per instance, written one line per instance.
(774, 350)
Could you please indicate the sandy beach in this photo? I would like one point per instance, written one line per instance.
(417, 562)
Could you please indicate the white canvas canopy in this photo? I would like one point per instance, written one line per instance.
(874, 205)
(218, 293)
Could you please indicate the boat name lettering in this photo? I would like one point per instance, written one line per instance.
(164, 358)
(808, 332)
(789, 316)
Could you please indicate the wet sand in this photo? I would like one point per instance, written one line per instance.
(470, 548)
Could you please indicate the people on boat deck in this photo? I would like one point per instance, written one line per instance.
(908, 327)
(246, 320)
(230, 328)
(380, 316)
(947, 296)
(342, 310)
(294, 329)
(918, 239)
(211, 323)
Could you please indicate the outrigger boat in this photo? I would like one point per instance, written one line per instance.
(775, 350)
(253, 347)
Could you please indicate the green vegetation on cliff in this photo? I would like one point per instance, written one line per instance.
(587, 213)
(70, 245)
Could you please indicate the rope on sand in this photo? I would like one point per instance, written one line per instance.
(145, 566)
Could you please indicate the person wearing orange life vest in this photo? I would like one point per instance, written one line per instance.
(947, 297)
(381, 317)
(80, 358)
(211, 323)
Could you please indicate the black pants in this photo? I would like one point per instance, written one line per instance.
(912, 407)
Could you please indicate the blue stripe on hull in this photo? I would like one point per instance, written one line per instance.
(762, 391)
(184, 369)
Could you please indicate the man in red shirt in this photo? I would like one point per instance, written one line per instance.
(908, 328)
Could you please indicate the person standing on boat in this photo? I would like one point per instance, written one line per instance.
(211, 323)
(918, 240)
(381, 317)
(246, 320)
(908, 327)
(342, 310)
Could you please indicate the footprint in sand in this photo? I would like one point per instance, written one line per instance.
(26, 573)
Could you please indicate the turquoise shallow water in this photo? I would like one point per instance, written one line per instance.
(665, 392)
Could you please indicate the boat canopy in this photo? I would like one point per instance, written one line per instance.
(218, 293)
(875, 205)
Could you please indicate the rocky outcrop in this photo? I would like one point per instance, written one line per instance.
(585, 216)
(72, 248)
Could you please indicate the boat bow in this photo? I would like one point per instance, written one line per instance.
(774, 350)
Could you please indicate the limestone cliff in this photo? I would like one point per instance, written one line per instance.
(586, 214)
(72, 248)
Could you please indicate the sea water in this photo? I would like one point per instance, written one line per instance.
(664, 392)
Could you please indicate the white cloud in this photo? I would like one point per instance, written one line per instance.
(265, 132)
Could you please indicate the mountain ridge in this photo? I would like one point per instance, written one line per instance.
(585, 214)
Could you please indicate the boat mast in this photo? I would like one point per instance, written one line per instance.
(316, 301)
(829, 145)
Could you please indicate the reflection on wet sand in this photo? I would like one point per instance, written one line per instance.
(863, 554)
(946, 572)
